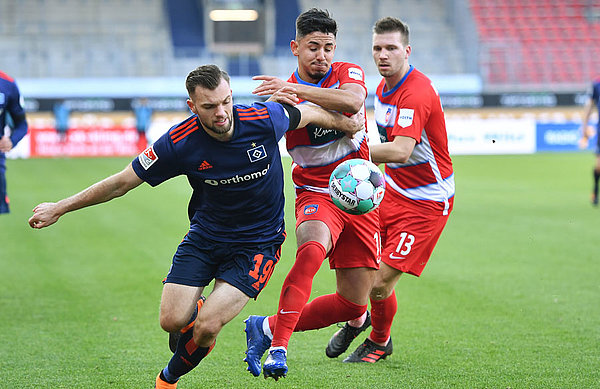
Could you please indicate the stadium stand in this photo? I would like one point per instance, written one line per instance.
(537, 42)
(514, 45)
(147, 38)
(79, 38)
(427, 20)
(186, 25)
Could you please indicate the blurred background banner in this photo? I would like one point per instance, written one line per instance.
(113, 141)
(496, 63)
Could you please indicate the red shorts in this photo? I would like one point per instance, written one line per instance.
(408, 236)
(355, 238)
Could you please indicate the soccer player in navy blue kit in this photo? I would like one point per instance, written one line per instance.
(10, 103)
(230, 155)
(587, 132)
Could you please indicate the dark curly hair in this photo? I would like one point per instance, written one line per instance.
(315, 20)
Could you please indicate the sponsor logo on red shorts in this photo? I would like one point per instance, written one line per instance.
(311, 209)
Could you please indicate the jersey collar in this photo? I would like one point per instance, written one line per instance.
(386, 94)
(318, 84)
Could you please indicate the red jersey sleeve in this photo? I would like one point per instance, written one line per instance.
(349, 73)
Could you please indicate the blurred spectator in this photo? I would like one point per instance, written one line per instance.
(143, 117)
(62, 112)
(10, 104)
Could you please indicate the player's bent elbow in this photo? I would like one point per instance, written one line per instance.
(402, 158)
(355, 106)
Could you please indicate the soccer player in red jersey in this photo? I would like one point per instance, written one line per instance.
(322, 229)
(420, 184)
(230, 156)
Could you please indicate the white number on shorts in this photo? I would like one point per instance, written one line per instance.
(407, 241)
(378, 245)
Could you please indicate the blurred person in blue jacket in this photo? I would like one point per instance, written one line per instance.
(12, 113)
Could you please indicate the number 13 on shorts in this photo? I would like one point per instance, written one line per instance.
(404, 246)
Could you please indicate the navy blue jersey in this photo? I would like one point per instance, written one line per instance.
(10, 102)
(238, 184)
(595, 95)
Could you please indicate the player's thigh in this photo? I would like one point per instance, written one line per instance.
(223, 305)
(317, 219)
(354, 284)
(358, 244)
(177, 305)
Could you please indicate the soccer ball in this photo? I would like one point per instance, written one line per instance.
(356, 186)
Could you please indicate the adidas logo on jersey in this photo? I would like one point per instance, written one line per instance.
(204, 165)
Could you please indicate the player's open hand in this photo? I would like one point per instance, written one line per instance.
(44, 215)
(269, 86)
(285, 95)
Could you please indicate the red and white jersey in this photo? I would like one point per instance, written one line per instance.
(413, 109)
(317, 151)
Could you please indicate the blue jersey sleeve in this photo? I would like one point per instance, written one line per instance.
(17, 114)
(279, 117)
(158, 162)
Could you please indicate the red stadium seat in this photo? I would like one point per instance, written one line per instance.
(550, 41)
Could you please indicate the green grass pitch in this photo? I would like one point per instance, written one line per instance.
(510, 298)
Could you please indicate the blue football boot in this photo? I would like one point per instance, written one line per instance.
(257, 343)
(276, 364)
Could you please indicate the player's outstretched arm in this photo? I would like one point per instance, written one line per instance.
(397, 151)
(348, 98)
(269, 85)
(318, 116)
(285, 95)
(46, 214)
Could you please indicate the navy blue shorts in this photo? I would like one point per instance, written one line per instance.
(246, 266)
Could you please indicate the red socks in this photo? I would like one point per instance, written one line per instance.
(324, 311)
(327, 310)
(382, 316)
(296, 290)
(294, 314)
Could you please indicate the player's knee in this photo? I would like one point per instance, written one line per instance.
(380, 291)
(207, 329)
(172, 323)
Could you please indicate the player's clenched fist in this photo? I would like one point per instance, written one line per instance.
(44, 215)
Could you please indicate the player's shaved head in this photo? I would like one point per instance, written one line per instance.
(315, 20)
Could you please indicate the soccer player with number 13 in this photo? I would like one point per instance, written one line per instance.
(419, 184)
